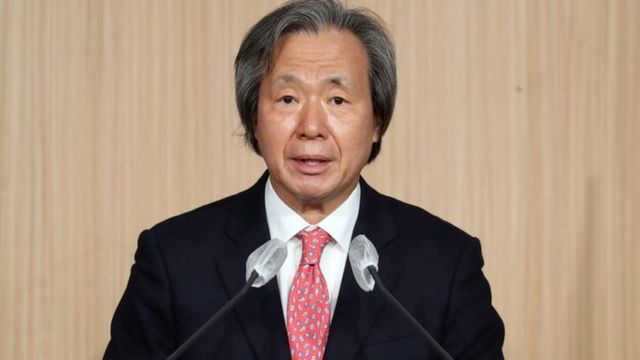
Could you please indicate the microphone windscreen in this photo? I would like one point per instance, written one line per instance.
(266, 261)
(363, 254)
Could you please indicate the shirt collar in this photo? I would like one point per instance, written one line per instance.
(284, 223)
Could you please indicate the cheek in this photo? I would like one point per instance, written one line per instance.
(357, 146)
(264, 129)
(266, 140)
(272, 136)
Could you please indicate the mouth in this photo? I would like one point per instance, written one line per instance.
(311, 164)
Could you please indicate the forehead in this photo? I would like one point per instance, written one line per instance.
(335, 54)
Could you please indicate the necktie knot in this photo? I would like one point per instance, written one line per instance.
(313, 243)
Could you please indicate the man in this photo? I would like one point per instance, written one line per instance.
(315, 88)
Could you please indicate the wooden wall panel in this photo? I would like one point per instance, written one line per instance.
(516, 120)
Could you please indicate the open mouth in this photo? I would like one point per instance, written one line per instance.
(311, 162)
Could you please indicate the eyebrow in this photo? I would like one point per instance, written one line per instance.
(291, 78)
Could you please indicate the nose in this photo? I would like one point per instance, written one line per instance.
(312, 122)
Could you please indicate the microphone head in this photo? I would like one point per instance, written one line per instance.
(266, 261)
(363, 254)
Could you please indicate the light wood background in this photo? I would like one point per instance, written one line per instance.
(516, 120)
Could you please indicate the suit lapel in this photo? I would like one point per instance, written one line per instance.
(260, 313)
(357, 310)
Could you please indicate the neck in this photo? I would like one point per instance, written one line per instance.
(313, 215)
(313, 211)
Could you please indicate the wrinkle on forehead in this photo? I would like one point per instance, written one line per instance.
(314, 64)
(270, 54)
(290, 78)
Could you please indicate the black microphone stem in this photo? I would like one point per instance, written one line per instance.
(407, 315)
(219, 314)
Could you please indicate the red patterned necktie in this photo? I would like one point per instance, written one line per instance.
(308, 308)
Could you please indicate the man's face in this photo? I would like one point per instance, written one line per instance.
(315, 123)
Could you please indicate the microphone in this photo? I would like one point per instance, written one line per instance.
(262, 265)
(364, 263)
(266, 261)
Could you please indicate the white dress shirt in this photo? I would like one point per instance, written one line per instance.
(284, 224)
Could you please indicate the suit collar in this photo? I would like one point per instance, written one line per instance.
(261, 312)
(374, 219)
(356, 310)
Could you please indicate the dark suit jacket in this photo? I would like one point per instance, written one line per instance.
(187, 267)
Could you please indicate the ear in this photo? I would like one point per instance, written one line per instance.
(376, 135)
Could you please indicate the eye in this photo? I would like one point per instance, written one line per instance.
(338, 100)
(287, 99)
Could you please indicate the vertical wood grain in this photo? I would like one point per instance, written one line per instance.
(516, 120)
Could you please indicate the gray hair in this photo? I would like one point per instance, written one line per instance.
(256, 54)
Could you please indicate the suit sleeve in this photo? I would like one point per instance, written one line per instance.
(142, 326)
(473, 328)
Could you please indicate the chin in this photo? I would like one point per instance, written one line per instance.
(312, 196)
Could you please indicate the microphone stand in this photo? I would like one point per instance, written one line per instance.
(215, 317)
(434, 344)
